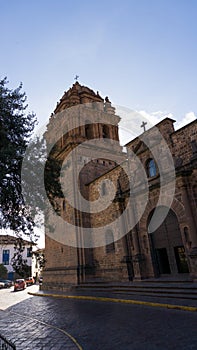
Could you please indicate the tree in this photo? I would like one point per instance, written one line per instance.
(16, 127)
(40, 258)
(18, 263)
(3, 271)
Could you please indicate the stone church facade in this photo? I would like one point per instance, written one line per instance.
(130, 249)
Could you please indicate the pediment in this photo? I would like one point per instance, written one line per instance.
(140, 147)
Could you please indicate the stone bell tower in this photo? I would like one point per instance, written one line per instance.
(81, 118)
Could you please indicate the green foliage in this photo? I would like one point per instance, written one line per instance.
(40, 258)
(16, 212)
(18, 263)
(16, 127)
(3, 272)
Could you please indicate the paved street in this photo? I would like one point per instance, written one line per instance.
(54, 323)
(8, 297)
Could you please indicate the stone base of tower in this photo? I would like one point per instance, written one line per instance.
(116, 274)
(61, 270)
(64, 279)
(60, 278)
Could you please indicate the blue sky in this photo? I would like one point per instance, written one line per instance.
(142, 53)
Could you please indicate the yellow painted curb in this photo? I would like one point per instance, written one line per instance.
(115, 300)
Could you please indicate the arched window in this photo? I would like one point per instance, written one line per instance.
(187, 238)
(103, 189)
(64, 205)
(109, 239)
(186, 234)
(151, 168)
(105, 133)
(88, 129)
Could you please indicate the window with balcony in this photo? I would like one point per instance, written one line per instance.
(6, 257)
(29, 252)
(109, 239)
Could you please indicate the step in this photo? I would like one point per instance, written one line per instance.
(138, 287)
(158, 295)
(183, 291)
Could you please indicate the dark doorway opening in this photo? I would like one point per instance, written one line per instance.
(181, 259)
(162, 261)
(167, 249)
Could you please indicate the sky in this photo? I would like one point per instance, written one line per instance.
(140, 53)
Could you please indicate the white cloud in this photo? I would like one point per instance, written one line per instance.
(188, 118)
(155, 117)
(131, 121)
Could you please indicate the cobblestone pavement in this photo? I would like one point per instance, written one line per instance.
(97, 326)
(30, 334)
(25, 331)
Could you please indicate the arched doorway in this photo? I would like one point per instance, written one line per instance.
(167, 249)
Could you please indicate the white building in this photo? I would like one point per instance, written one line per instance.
(38, 262)
(7, 250)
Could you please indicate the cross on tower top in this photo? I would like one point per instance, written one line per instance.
(76, 77)
(144, 125)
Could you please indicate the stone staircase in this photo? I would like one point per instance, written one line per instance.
(156, 289)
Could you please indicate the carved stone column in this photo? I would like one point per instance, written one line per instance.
(137, 257)
(192, 233)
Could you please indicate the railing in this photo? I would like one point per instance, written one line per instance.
(6, 344)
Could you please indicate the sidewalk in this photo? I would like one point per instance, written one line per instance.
(181, 296)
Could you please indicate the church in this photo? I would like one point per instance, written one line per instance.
(125, 215)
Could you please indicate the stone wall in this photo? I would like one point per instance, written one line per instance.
(129, 255)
